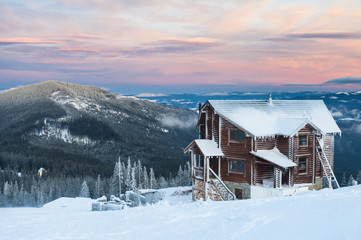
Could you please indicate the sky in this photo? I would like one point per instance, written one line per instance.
(172, 46)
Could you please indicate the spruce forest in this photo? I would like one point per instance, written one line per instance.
(23, 189)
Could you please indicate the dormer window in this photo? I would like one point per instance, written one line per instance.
(303, 140)
(236, 135)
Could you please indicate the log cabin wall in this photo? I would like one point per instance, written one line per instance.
(209, 113)
(265, 143)
(263, 171)
(234, 151)
(282, 143)
(301, 152)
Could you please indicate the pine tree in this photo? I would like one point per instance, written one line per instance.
(99, 191)
(358, 177)
(350, 181)
(145, 178)
(117, 179)
(187, 174)
(152, 180)
(140, 175)
(162, 183)
(84, 192)
(343, 181)
(133, 180)
(128, 177)
(179, 177)
(8, 193)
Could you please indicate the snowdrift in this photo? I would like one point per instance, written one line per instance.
(324, 214)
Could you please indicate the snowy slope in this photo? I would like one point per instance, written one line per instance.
(321, 214)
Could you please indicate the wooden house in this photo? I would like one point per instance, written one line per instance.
(262, 148)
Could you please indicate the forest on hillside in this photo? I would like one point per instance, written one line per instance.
(19, 189)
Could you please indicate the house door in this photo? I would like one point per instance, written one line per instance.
(285, 177)
(213, 164)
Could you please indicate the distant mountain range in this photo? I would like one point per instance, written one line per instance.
(81, 130)
(344, 106)
(71, 129)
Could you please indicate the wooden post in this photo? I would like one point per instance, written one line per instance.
(313, 158)
(206, 178)
(206, 121)
(219, 167)
(277, 177)
(220, 131)
(192, 163)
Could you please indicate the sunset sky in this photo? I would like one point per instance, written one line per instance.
(179, 46)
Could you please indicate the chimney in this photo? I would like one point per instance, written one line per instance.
(270, 100)
(199, 106)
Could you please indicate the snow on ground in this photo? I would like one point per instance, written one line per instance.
(324, 214)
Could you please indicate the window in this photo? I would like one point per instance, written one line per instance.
(302, 165)
(236, 135)
(236, 166)
(303, 140)
(199, 161)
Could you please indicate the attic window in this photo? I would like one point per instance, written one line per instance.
(303, 140)
(236, 135)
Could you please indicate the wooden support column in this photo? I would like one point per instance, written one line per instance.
(313, 157)
(219, 167)
(219, 131)
(254, 171)
(277, 177)
(206, 177)
(192, 164)
(290, 176)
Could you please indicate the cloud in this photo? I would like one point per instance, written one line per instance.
(171, 46)
(349, 80)
(356, 79)
(12, 41)
(312, 36)
(330, 35)
(178, 121)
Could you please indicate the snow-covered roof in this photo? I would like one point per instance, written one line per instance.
(279, 117)
(275, 156)
(207, 147)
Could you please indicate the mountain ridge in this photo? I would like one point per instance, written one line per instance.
(91, 122)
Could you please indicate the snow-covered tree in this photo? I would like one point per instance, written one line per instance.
(358, 177)
(117, 178)
(84, 192)
(179, 177)
(350, 181)
(139, 174)
(152, 180)
(133, 180)
(8, 193)
(162, 183)
(128, 175)
(145, 178)
(343, 180)
(99, 188)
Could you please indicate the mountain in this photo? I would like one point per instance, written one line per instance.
(71, 129)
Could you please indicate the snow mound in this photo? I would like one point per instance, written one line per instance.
(76, 204)
(324, 214)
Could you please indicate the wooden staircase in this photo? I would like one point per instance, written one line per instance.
(327, 168)
(225, 193)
